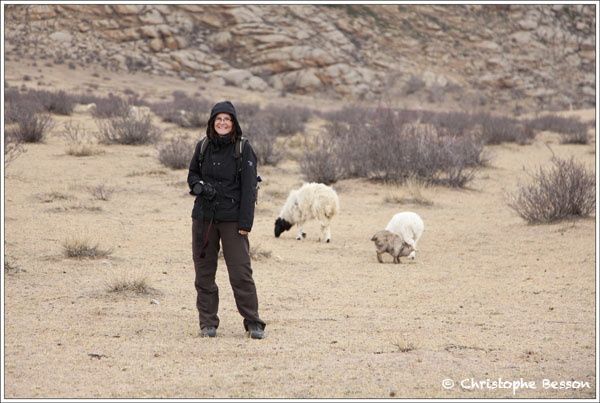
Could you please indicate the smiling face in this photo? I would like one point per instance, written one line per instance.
(223, 124)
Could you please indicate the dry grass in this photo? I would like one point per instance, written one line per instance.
(403, 346)
(79, 142)
(151, 172)
(258, 253)
(10, 267)
(101, 192)
(410, 193)
(53, 196)
(138, 286)
(75, 248)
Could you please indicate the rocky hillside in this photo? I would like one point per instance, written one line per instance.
(511, 56)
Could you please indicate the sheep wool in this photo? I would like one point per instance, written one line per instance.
(311, 201)
(409, 226)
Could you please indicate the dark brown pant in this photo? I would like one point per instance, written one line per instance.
(236, 250)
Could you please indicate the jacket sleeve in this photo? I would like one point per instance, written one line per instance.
(194, 173)
(248, 185)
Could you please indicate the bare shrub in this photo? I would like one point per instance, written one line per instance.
(82, 249)
(246, 111)
(101, 192)
(285, 121)
(413, 85)
(136, 286)
(183, 110)
(263, 141)
(496, 130)
(59, 102)
(12, 149)
(128, 130)
(107, 107)
(79, 142)
(572, 130)
(566, 189)
(31, 127)
(385, 144)
(320, 163)
(176, 153)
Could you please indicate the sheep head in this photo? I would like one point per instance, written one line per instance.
(281, 225)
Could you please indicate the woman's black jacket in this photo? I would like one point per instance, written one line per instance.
(236, 191)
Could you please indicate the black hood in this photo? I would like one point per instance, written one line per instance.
(223, 107)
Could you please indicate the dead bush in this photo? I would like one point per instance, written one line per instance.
(497, 129)
(320, 162)
(12, 149)
(246, 111)
(107, 107)
(128, 130)
(176, 153)
(31, 127)
(101, 192)
(136, 286)
(82, 249)
(58, 102)
(413, 85)
(284, 121)
(183, 110)
(263, 141)
(572, 130)
(79, 141)
(566, 189)
(386, 145)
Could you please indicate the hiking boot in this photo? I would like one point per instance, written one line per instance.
(255, 331)
(208, 331)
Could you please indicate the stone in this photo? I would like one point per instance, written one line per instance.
(123, 9)
(156, 44)
(152, 17)
(61, 36)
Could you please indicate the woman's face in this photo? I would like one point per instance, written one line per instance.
(223, 124)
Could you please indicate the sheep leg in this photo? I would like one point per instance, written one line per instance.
(326, 231)
(396, 259)
(301, 233)
(379, 258)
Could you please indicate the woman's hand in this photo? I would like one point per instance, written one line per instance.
(243, 232)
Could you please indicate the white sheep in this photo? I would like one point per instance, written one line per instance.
(408, 226)
(311, 201)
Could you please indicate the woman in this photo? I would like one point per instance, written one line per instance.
(225, 189)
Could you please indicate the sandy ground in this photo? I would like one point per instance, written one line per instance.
(489, 297)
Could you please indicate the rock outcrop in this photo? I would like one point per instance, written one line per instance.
(528, 55)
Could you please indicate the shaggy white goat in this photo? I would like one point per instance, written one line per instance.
(408, 226)
(311, 201)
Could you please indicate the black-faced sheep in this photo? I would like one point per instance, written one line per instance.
(311, 201)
